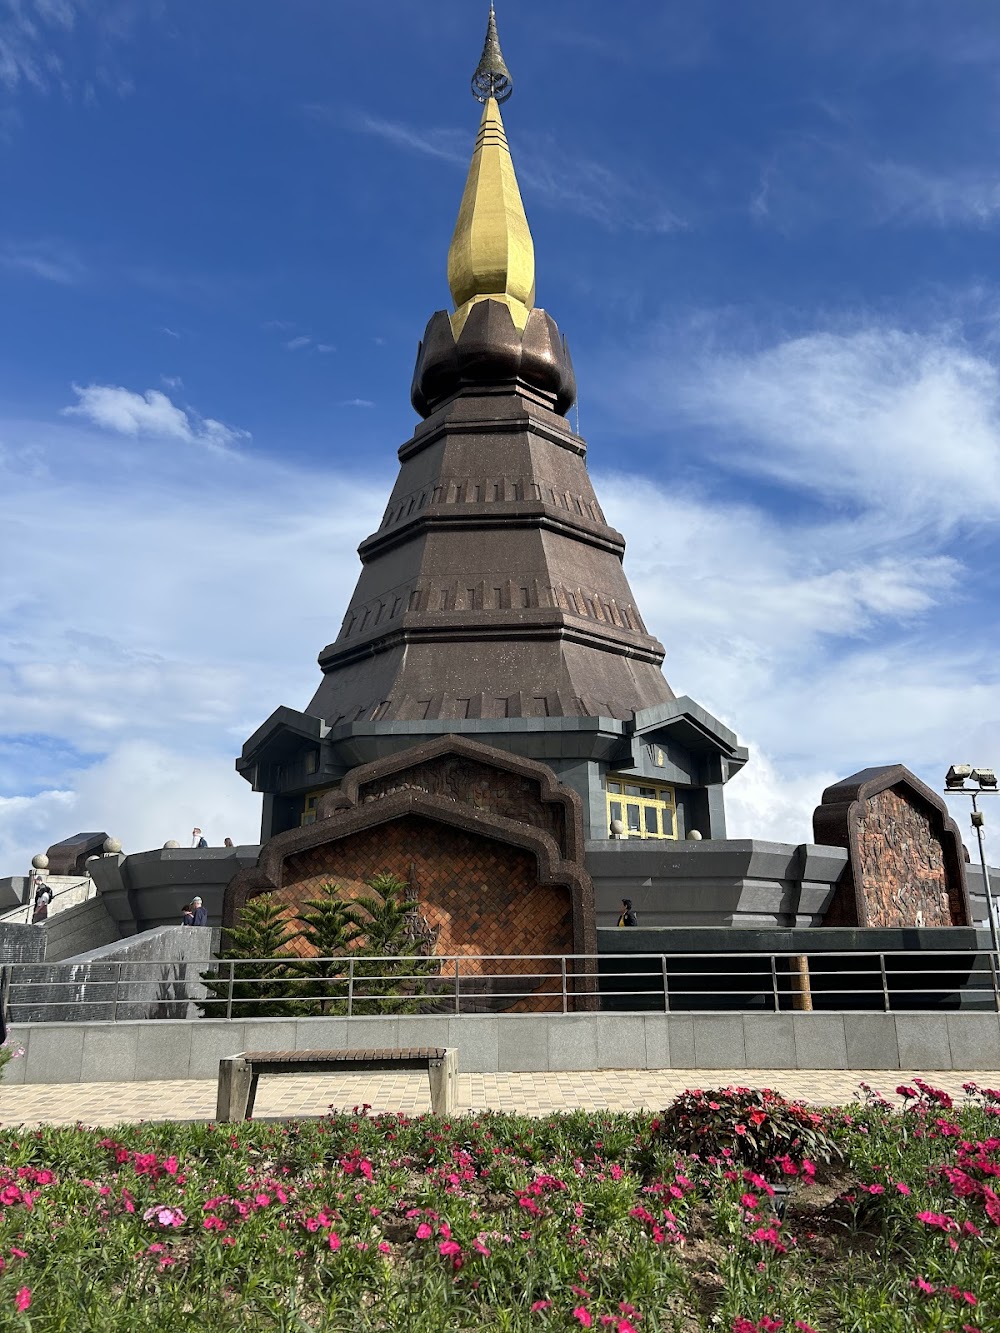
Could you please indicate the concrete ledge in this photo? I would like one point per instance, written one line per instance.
(513, 1043)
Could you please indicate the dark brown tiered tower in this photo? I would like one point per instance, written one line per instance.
(492, 602)
(494, 587)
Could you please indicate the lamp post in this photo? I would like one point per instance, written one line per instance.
(986, 785)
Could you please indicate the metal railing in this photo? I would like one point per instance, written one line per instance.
(355, 985)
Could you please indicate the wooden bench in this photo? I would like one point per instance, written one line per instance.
(239, 1074)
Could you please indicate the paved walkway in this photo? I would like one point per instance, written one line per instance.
(530, 1094)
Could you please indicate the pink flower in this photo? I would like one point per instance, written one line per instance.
(939, 1220)
(384, 1247)
(166, 1217)
(333, 1240)
(449, 1247)
(18, 1254)
(424, 1231)
(583, 1316)
(540, 1305)
(23, 1298)
(921, 1284)
(803, 1327)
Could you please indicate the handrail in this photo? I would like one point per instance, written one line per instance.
(29, 906)
(742, 981)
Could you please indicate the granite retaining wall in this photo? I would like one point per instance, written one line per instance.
(139, 1051)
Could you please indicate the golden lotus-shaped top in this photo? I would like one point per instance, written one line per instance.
(492, 255)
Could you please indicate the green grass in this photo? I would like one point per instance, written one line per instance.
(383, 1223)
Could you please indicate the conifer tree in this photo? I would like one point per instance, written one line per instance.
(262, 932)
(388, 948)
(331, 927)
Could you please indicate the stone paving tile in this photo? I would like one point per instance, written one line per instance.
(531, 1094)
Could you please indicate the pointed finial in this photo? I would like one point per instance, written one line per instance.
(492, 77)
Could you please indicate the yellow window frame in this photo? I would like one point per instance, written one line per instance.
(647, 809)
(309, 808)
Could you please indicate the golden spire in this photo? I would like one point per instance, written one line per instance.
(492, 256)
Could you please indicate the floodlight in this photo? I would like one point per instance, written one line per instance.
(986, 778)
(957, 774)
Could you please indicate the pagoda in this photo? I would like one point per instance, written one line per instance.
(492, 602)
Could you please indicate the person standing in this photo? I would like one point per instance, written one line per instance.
(198, 839)
(628, 917)
(200, 916)
(228, 843)
(41, 911)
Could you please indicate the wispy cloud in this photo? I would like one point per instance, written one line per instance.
(67, 46)
(960, 198)
(557, 179)
(296, 344)
(448, 145)
(357, 402)
(52, 261)
(149, 414)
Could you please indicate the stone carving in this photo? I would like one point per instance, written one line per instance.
(905, 865)
(475, 784)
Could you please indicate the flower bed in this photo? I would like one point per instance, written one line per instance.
(586, 1220)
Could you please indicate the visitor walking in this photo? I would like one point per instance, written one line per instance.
(198, 839)
(628, 917)
(199, 917)
(228, 843)
(41, 911)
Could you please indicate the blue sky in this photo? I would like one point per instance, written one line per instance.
(769, 232)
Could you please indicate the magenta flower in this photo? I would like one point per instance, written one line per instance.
(921, 1284)
(333, 1240)
(583, 1316)
(424, 1231)
(23, 1298)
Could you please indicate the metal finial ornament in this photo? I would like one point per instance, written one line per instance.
(492, 77)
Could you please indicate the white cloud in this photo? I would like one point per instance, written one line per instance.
(295, 344)
(357, 402)
(901, 424)
(156, 626)
(150, 414)
(144, 792)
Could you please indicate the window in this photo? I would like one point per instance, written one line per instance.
(309, 809)
(646, 809)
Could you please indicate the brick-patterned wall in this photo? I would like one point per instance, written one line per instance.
(902, 866)
(484, 788)
(481, 896)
